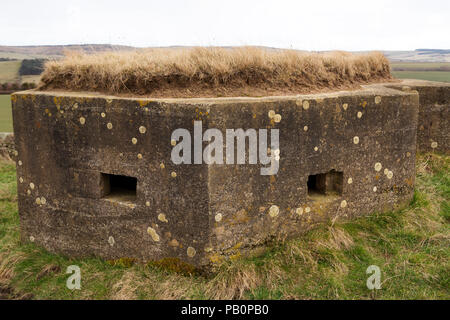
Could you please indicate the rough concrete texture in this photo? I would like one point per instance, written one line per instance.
(7, 150)
(433, 131)
(356, 149)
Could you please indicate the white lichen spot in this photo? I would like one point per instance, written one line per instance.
(109, 125)
(378, 166)
(147, 203)
(374, 189)
(356, 140)
(307, 209)
(111, 241)
(191, 252)
(306, 104)
(299, 211)
(21, 180)
(276, 152)
(277, 118)
(139, 156)
(434, 144)
(305, 128)
(75, 106)
(32, 185)
(390, 174)
(315, 148)
(345, 106)
(271, 114)
(274, 211)
(218, 217)
(19, 163)
(377, 99)
(32, 239)
(38, 201)
(153, 234)
(386, 171)
(173, 142)
(28, 192)
(103, 114)
(350, 181)
(133, 140)
(43, 200)
(359, 114)
(162, 166)
(343, 203)
(173, 174)
(82, 120)
(162, 217)
(142, 129)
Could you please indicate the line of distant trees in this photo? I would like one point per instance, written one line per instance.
(32, 67)
(15, 86)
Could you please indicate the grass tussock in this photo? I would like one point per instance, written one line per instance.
(211, 71)
(411, 247)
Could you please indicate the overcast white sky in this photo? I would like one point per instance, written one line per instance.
(308, 25)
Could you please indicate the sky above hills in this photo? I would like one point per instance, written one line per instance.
(306, 25)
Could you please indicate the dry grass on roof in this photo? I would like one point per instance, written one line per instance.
(209, 72)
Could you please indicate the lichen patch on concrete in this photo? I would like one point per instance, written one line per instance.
(274, 211)
(153, 234)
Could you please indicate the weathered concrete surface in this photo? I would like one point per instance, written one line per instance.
(7, 150)
(202, 214)
(433, 131)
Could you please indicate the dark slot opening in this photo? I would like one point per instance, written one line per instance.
(121, 188)
(325, 183)
(312, 184)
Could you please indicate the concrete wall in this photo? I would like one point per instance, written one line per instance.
(68, 144)
(433, 130)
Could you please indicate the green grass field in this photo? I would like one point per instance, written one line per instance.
(30, 79)
(419, 66)
(422, 70)
(9, 71)
(5, 113)
(411, 247)
(442, 76)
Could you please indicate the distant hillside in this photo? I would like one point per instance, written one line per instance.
(419, 55)
(45, 52)
(30, 52)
